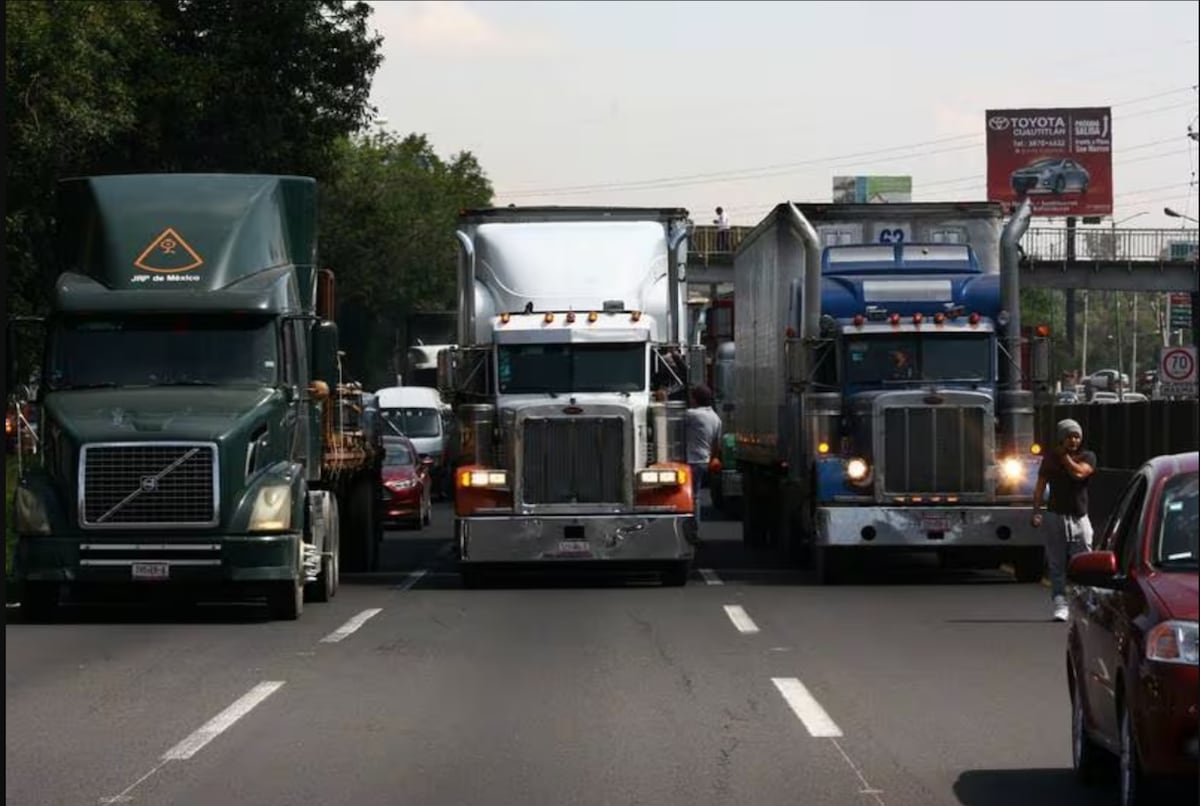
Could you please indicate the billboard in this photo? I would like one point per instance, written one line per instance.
(1061, 159)
(872, 189)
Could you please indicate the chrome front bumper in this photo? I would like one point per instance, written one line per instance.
(928, 527)
(562, 538)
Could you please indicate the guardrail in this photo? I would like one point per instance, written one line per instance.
(1039, 243)
(1098, 243)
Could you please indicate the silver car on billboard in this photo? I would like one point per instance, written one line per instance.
(1050, 175)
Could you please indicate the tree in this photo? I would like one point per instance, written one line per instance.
(171, 85)
(387, 229)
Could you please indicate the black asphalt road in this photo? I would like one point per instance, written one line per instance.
(909, 685)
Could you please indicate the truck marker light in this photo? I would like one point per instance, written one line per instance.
(592, 317)
(858, 320)
(548, 318)
(570, 317)
(973, 319)
(504, 317)
(823, 447)
(917, 318)
(1043, 331)
(635, 315)
(1035, 449)
(953, 499)
(894, 319)
(939, 318)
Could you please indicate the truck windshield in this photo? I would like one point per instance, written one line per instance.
(534, 368)
(163, 350)
(411, 422)
(913, 357)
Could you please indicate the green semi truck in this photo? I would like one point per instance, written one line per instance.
(196, 434)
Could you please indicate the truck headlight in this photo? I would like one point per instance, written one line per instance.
(483, 478)
(1173, 642)
(857, 469)
(653, 478)
(272, 509)
(1011, 469)
(29, 513)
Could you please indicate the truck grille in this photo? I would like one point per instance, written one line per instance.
(934, 450)
(148, 484)
(577, 460)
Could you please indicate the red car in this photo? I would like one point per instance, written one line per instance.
(406, 485)
(1132, 665)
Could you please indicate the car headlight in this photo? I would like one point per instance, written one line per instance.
(857, 469)
(1011, 469)
(400, 484)
(1173, 642)
(29, 513)
(272, 509)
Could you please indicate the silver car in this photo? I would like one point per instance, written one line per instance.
(1051, 175)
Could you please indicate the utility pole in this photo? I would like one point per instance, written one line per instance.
(1070, 258)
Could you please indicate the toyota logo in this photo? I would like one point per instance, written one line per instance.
(149, 484)
(998, 124)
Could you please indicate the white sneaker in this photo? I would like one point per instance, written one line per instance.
(1060, 608)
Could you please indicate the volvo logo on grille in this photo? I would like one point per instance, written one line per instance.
(149, 484)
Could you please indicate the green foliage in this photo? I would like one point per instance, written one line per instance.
(170, 85)
(387, 230)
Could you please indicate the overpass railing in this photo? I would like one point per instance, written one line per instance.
(1039, 243)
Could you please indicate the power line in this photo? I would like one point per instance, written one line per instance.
(774, 169)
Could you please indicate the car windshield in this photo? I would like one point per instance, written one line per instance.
(411, 422)
(398, 455)
(1177, 544)
(533, 368)
(163, 350)
(912, 357)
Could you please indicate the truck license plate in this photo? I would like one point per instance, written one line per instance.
(151, 571)
(574, 547)
(935, 523)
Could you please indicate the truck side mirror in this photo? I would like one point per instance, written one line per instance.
(324, 358)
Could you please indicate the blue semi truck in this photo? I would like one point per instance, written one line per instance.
(881, 401)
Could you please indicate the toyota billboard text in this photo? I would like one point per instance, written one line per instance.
(1060, 159)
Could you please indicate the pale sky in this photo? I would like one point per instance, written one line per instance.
(748, 104)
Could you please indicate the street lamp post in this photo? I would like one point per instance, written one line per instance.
(1167, 211)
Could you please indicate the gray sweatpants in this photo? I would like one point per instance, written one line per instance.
(1066, 536)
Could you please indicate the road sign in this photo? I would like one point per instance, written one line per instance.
(1177, 371)
(1181, 311)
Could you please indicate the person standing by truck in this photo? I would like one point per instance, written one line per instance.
(1066, 469)
(702, 429)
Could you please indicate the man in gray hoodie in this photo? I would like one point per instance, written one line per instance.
(1066, 469)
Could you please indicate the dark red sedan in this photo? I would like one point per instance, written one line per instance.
(1132, 664)
(406, 485)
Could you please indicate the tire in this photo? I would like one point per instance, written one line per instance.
(1134, 787)
(754, 526)
(676, 574)
(39, 601)
(830, 563)
(360, 523)
(285, 600)
(1060, 184)
(325, 586)
(1028, 565)
(1086, 757)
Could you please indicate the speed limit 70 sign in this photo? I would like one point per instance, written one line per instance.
(1177, 371)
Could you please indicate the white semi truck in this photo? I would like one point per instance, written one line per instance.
(569, 319)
